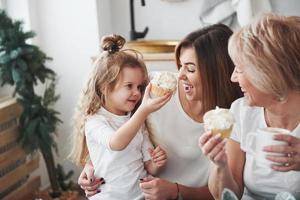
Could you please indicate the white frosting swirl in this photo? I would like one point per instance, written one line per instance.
(164, 79)
(219, 118)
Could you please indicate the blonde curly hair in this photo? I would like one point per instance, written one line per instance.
(107, 67)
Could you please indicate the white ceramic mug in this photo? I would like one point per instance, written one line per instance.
(264, 137)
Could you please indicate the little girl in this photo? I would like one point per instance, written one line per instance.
(111, 122)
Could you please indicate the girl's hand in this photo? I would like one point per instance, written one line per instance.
(149, 104)
(213, 146)
(88, 182)
(158, 189)
(159, 157)
(291, 158)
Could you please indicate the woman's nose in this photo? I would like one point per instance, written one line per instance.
(233, 77)
(181, 74)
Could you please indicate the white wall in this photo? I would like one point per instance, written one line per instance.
(19, 10)
(67, 31)
(173, 20)
(104, 17)
(165, 20)
(286, 7)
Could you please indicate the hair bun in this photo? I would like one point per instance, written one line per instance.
(112, 43)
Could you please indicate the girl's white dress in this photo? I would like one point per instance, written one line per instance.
(120, 169)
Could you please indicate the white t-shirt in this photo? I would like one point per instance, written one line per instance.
(178, 135)
(121, 169)
(260, 183)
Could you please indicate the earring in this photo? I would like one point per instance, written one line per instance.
(282, 99)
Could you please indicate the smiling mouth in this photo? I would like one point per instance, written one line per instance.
(133, 101)
(187, 88)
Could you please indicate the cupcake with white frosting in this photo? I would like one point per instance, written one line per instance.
(162, 83)
(219, 120)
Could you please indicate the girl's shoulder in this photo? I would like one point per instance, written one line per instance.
(96, 117)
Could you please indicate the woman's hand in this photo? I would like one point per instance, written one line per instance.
(88, 182)
(291, 158)
(159, 156)
(158, 189)
(213, 146)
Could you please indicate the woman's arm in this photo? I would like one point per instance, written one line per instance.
(194, 193)
(161, 189)
(230, 174)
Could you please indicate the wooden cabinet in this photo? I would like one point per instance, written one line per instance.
(15, 165)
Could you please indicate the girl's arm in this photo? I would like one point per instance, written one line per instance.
(126, 133)
(157, 162)
(88, 181)
(151, 168)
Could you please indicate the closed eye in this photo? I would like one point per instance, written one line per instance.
(191, 68)
(238, 71)
(129, 86)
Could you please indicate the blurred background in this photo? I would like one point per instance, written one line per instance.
(69, 31)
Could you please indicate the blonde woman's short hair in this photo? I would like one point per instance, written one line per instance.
(269, 51)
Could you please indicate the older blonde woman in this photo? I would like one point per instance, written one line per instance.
(266, 55)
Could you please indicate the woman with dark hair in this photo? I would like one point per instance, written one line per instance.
(203, 83)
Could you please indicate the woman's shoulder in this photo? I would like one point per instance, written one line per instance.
(241, 108)
(240, 102)
(247, 117)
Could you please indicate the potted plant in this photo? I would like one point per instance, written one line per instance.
(22, 65)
